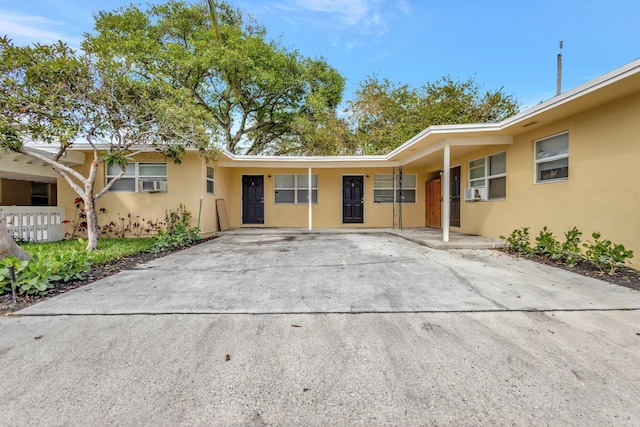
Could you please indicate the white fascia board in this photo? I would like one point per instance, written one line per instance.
(584, 89)
(453, 142)
(254, 161)
(572, 94)
(444, 130)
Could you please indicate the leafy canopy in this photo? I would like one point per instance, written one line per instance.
(386, 114)
(251, 90)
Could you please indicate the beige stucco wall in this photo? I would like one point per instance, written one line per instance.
(185, 184)
(327, 213)
(601, 193)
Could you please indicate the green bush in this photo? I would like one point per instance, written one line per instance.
(46, 265)
(518, 241)
(32, 277)
(605, 255)
(570, 248)
(178, 233)
(547, 245)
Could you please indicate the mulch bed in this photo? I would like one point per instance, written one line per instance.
(97, 272)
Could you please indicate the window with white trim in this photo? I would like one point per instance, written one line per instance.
(211, 187)
(552, 158)
(294, 189)
(490, 172)
(139, 177)
(384, 185)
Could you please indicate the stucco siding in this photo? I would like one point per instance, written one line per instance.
(327, 213)
(185, 184)
(601, 193)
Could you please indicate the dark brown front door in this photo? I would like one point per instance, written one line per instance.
(454, 217)
(253, 199)
(433, 200)
(352, 199)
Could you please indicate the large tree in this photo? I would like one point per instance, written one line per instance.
(52, 94)
(253, 89)
(386, 114)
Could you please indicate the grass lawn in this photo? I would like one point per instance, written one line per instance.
(109, 249)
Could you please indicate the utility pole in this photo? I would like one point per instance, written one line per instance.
(559, 81)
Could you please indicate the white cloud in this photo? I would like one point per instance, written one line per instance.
(26, 29)
(363, 15)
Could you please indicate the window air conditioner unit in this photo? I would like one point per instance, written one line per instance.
(475, 193)
(150, 186)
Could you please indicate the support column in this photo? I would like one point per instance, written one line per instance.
(446, 199)
(310, 199)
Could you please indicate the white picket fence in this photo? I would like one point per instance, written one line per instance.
(34, 223)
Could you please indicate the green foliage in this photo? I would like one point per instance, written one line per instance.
(386, 114)
(605, 255)
(547, 245)
(180, 237)
(248, 90)
(602, 254)
(32, 277)
(48, 264)
(54, 94)
(518, 241)
(179, 217)
(109, 249)
(570, 248)
(178, 233)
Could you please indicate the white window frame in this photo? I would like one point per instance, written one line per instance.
(296, 188)
(484, 180)
(211, 180)
(137, 177)
(396, 188)
(538, 162)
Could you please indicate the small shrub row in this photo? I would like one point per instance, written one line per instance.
(604, 255)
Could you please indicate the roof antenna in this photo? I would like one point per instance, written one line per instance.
(559, 81)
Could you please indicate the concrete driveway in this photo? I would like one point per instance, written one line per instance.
(326, 329)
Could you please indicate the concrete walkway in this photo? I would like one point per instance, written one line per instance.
(431, 237)
(257, 329)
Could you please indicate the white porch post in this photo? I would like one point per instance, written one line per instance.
(446, 199)
(310, 199)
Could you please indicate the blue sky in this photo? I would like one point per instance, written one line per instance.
(502, 44)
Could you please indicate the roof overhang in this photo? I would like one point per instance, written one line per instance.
(26, 168)
(421, 150)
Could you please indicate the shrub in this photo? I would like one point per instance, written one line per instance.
(518, 241)
(43, 268)
(605, 255)
(32, 276)
(547, 245)
(570, 248)
(178, 233)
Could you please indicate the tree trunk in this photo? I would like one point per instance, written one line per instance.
(8, 247)
(93, 230)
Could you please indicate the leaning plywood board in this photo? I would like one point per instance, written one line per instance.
(222, 215)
